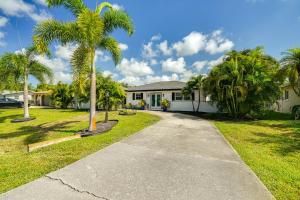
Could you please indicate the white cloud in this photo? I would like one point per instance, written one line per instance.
(3, 21)
(176, 66)
(2, 43)
(101, 56)
(199, 65)
(134, 68)
(107, 73)
(20, 8)
(218, 61)
(123, 46)
(156, 37)
(60, 68)
(148, 51)
(153, 62)
(191, 44)
(66, 51)
(41, 16)
(186, 75)
(41, 2)
(117, 7)
(196, 42)
(163, 47)
(218, 43)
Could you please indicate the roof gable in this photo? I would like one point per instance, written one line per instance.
(158, 86)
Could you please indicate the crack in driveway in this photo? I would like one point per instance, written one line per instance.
(75, 189)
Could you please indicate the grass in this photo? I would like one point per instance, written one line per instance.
(271, 147)
(18, 167)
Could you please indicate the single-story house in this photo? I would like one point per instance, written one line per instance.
(288, 100)
(34, 98)
(154, 93)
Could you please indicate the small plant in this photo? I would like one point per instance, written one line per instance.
(128, 106)
(142, 104)
(165, 104)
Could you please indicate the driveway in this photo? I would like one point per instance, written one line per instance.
(179, 158)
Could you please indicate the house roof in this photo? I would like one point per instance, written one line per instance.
(158, 86)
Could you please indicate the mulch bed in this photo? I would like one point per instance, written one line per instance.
(101, 128)
(22, 120)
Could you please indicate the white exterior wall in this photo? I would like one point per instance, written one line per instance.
(17, 96)
(286, 105)
(182, 105)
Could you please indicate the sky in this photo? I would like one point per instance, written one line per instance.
(173, 39)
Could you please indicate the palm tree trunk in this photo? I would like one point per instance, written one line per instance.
(92, 119)
(106, 113)
(193, 105)
(199, 100)
(25, 95)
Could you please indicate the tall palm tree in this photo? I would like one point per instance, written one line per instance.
(90, 31)
(15, 69)
(291, 67)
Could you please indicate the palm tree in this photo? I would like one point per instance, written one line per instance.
(291, 67)
(15, 69)
(244, 82)
(109, 93)
(198, 84)
(90, 31)
(195, 83)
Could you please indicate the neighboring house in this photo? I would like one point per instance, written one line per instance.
(154, 93)
(34, 98)
(288, 100)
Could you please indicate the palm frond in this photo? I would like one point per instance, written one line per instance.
(12, 70)
(51, 30)
(40, 72)
(111, 45)
(81, 68)
(91, 27)
(75, 6)
(101, 6)
(114, 19)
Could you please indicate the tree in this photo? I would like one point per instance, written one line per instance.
(244, 83)
(90, 31)
(62, 95)
(291, 68)
(109, 93)
(15, 69)
(195, 83)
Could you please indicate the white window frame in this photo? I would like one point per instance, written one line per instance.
(178, 96)
(138, 96)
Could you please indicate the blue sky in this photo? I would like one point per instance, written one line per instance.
(174, 39)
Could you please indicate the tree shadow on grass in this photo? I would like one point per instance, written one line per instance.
(10, 117)
(286, 142)
(285, 126)
(39, 132)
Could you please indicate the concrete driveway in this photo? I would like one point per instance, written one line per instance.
(179, 158)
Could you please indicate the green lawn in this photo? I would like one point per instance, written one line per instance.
(272, 149)
(18, 167)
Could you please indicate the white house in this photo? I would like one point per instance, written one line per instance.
(288, 100)
(154, 93)
(34, 98)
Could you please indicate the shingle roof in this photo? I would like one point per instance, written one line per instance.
(158, 86)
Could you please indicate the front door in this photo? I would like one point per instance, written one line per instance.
(156, 101)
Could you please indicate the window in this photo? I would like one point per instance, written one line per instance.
(137, 96)
(286, 94)
(178, 96)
